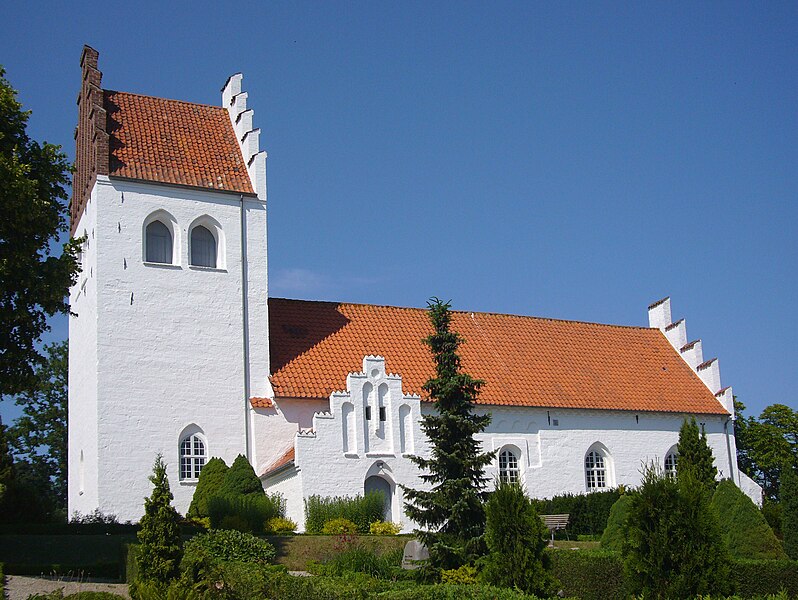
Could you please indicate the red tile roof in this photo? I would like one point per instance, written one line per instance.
(284, 459)
(525, 361)
(170, 141)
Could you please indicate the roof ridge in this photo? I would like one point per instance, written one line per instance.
(166, 99)
(469, 312)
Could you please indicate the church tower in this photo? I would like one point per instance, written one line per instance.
(168, 340)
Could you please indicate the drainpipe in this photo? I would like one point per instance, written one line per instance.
(732, 463)
(245, 326)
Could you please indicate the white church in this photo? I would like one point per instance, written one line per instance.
(175, 346)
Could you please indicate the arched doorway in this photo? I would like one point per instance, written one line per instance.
(376, 483)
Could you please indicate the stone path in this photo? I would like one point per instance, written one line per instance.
(19, 588)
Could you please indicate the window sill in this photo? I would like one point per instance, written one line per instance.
(212, 269)
(162, 265)
(189, 482)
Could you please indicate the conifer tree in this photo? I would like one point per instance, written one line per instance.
(161, 547)
(789, 514)
(695, 455)
(210, 482)
(241, 479)
(451, 512)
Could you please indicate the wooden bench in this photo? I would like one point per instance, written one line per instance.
(555, 523)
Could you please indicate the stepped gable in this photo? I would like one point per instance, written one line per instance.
(525, 361)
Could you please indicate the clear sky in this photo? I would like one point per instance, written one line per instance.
(567, 160)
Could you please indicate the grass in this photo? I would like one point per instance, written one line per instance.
(296, 551)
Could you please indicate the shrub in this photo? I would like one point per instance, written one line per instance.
(695, 455)
(465, 575)
(759, 577)
(339, 526)
(673, 547)
(278, 525)
(789, 501)
(361, 510)
(244, 512)
(454, 592)
(210, 482)
(612, 538)
(161, 547)
(96, 517)
(240, 479)
(362, 560)
(745, 531)
(227, 545)
(588, 512)
(384, 528)
(515, 536)
(589, 574)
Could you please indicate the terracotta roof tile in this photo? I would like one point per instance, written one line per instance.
(284, 459)
(261, 402)
(525, 361)
(171, 141)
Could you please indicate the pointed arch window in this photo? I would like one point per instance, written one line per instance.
(203, 247)
(192, 456)
(670, 463)
(508, 466)
(595, 470)
(158, 243)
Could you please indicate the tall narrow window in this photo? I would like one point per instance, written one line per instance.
(203, 247)
(159, 243)
(508, 466)
(595, 471)
(670, 464)
(192, 456)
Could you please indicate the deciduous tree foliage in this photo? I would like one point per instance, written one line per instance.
(695, 455)
(452, 511)
(34, 275)
(159, 536)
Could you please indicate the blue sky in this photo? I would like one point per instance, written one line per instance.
(568, 160)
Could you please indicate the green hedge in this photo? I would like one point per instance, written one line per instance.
(588, 512)
(361, 510)
(752, 577)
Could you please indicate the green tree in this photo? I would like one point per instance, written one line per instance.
(673, 547)
(695, 455)
(6, 462)
(516, 539)
(789, 500)
(160, 545)
(210, 482)
(39, 437)
(33, 279)
(452, 511)
(241, 479)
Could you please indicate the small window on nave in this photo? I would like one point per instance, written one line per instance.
(509, 470)
(192, 456)
(203, 247)
(158, 243)
(595, 470)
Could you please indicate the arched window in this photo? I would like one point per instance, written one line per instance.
(670, 463)
(192, 456)
(508, 466)
(203, 247)
(595, 470)
(158, 243)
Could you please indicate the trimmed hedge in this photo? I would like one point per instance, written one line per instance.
(760, 577)
(588, 512)
(244, 512)
(361, 510)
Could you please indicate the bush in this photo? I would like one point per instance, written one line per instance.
(384, 528)
(589, 574)
(454, 592)
(789, 501)
(361, 510)
(210, 481)
(240, 479)
(612, 538)
(745, 531)
(228, 545)
(247, 513)
(516, 537)
(362, 560)
(280, 525)
(339, 527)
(759, 577)
(588, 512)
(465, 575)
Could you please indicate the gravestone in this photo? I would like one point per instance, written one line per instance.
(415, 553)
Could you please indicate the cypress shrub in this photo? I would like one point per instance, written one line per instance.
(361, 510)
(210, 482)
(613, 536)
(516, 538)
(240, 479)
(745, 531)
(695, 455)
(248, 513)
(789, 501)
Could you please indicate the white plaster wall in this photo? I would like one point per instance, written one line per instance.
(170, 338)
(82, 479)
(288, 484)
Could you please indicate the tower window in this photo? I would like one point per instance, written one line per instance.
(368, 413)
(192, 456)
(203, 247)
(382, 413)
(158, 243)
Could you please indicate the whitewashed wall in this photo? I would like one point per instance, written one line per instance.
(169, 351)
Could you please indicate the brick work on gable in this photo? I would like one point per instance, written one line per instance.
(525, 361)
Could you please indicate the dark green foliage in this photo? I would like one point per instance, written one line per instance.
(743, 527)
(204, 554)
(695, 455)
(589, 574)
(613, 536)
(240, 479)
(516, 537)
(210, 482)
(244, 512)
(772, 512)
(789, 501)
(159, 536)
(26, 498)
(38, 438)
(752, 578)
(452, 511)
(6, 461)
(59, 595)
(454, 592)
(361, 510)
(588, 512)
(363, 560)
(33, 281)
(673, 547)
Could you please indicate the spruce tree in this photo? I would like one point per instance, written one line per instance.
(789, 514)
(695, 455)
(161, 546)
(451, 512)
(241, 479)
(210, 482)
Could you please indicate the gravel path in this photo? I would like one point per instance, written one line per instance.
(19, 588)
